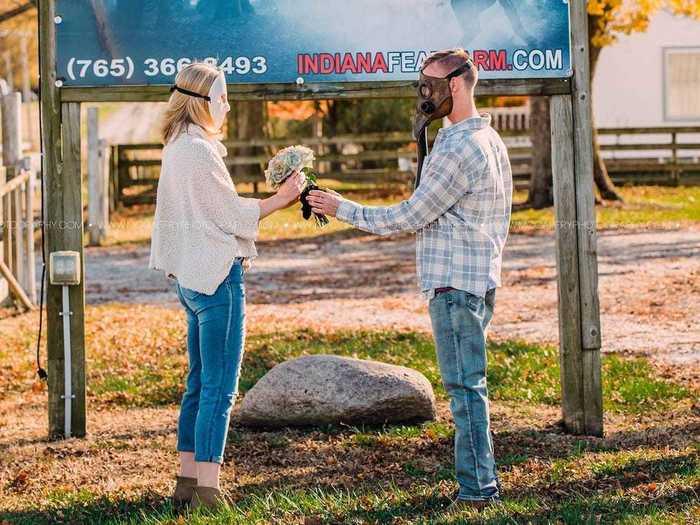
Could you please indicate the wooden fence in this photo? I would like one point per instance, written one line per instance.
(669, 156)
(17, 265)
(654, 155)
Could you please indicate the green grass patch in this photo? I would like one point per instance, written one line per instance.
(418, 504)
(149, 385)
(644, 206)
(632, 383)
(517, 371)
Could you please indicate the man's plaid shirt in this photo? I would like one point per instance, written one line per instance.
(460, 211)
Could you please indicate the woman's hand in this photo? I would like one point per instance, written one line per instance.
(286, 195)
(291, 188)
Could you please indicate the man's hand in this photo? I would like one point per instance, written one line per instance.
(325, 202)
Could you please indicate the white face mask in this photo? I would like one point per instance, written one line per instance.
(217, 107)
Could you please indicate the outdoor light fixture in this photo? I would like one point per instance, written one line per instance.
(65, 271)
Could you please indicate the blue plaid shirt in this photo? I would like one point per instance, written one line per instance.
(460, 211)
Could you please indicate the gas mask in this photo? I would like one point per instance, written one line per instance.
(218, 107)
(434, 98)
(434, 102)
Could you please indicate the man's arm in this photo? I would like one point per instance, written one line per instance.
(447, 178)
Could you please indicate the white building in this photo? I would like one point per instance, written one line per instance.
(651, 78)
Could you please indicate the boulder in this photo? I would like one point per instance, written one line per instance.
(323, 389)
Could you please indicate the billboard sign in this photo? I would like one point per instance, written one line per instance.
(145, 42)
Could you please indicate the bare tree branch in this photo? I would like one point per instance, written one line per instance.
(7, 15)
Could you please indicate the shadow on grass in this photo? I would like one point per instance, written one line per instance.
(573, 511)
(305, 470)
(293, 460)
(81, 508)
(424, 506)
(601, 508)
(553, 443)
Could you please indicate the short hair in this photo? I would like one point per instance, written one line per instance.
(450, 60)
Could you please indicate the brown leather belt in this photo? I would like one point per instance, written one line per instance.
(440, 290)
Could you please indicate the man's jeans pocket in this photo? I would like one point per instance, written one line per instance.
(462, 298)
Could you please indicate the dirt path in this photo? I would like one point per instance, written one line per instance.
(649, 287)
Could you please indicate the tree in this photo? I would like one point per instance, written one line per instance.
(18, 35)
(541, 190)
(246, 121)
(607, 20)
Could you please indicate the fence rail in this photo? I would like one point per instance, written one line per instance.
(17, 214)
(632, 155)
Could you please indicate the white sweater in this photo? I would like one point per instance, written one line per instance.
(201, 224)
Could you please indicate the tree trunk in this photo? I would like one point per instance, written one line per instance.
(540, 194)
(331, 124)
(605, 185)
(247, 121)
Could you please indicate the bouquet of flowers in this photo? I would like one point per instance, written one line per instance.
(284, 164)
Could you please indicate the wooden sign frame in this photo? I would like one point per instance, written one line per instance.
(572, 166)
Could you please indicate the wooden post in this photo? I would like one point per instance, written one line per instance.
(18, 253)
(26, 71)
(8, 70)
(675, 171)
(4, 290)
(15, 286)
(64, 228)
(98, 205)
(579, 310)
(317, 133)
(10, 105)
(122, 174)
(113, 154)
(9, 251)
(11, 129)
(30, 275)
(570, 350)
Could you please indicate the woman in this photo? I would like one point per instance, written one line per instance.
(203, 237)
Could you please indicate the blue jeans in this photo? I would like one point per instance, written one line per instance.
(460, 321)
(215, 337)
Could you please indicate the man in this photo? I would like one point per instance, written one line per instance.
(460, 213)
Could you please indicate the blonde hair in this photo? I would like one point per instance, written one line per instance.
(185, 109)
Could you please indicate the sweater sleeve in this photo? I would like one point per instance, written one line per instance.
(214, 197)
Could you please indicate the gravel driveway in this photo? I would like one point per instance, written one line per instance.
(649, 287)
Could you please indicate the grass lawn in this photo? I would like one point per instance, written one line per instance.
(644, 207)
(646, 469)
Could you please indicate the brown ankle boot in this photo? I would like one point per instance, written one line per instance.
(183, 490)
(208, 497)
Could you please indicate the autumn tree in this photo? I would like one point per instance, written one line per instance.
(18, 37)
(607, 20)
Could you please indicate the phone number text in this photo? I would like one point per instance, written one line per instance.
(125, 67)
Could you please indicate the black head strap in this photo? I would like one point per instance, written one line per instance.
(460, 70)
(188, 92)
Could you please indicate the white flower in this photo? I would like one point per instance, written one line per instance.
(286, 162)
